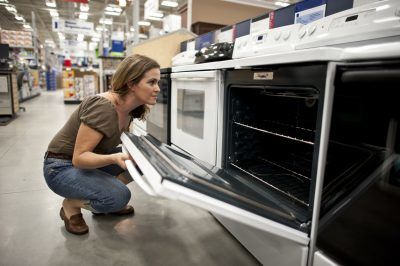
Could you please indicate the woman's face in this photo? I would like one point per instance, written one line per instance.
(147, 89)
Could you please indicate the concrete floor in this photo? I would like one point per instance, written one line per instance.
(162, 232)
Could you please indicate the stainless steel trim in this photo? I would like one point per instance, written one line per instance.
(323, 150)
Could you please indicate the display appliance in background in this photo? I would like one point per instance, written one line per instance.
(159, 119)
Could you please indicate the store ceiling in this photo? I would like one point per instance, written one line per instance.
(70, 10)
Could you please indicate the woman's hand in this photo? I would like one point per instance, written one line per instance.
(120, 158)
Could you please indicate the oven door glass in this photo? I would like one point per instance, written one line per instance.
(194, 105)
(173, 174)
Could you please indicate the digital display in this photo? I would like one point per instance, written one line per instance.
(242, 28)
(351, 18)
(283, 17)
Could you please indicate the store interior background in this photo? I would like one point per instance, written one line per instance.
(44, 58)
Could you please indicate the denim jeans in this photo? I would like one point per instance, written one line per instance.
(103, 191)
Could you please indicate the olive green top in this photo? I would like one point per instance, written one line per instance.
(96, 112)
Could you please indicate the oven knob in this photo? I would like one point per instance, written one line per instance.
(277, 35)
(311, 29)
(286, 35)
(302, 32)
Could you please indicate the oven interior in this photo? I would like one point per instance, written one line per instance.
(271, 140)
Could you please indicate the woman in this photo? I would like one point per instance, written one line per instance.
(81, 164)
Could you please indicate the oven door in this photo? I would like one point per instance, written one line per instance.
(194, 105)
(167, 172)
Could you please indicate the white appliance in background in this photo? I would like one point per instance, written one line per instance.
(195, 98)
(270, 41)
(362, 23)
(184, 58)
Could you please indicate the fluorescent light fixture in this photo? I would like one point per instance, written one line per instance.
(156, 14)
(107, 21)
(26, 26)
(279, 3)
(11, 9)
(51, 3)
(154, 18)
(113, 8)
(122, 3)
(95, 39)
(169, 3)
(48, 41)
(19, 17)
(84, 8)
(4, 1)
(257, 3)
(144, 23)
(111, 13)
(100, 28)
(53, 13)
(83, 16)
(380, 8)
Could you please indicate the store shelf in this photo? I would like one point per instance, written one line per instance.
(22, 47)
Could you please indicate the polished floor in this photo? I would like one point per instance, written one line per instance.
(162, 232)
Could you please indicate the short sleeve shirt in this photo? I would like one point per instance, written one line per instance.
(96, 112)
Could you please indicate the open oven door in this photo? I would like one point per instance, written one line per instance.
(173, 174)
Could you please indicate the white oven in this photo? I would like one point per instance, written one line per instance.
(195, 99)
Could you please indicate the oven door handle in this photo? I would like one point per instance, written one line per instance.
(193, 79)
(136, 176)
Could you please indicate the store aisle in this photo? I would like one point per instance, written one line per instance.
(162, 232)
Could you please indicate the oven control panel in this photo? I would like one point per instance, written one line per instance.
(269, 41)
(372, 21)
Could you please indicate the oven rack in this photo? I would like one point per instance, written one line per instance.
(286, 182)
(305, 137)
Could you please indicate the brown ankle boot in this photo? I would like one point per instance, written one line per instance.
(75, 224)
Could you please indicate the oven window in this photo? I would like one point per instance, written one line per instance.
(191, 112)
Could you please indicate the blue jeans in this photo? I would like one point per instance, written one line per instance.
(99, 187)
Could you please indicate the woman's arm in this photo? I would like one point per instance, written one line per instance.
(84, 157)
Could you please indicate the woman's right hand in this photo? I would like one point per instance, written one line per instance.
(120, 158)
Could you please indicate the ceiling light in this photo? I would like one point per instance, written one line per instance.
(95, 39)
(51, 3)
(83, 15)
(169, 3)
(144, 23)
(113, 8)
(4, 1)
(110, 13)
(107, 21)
(11, 9)
(279, 3)
(26, 26)
(84, 8)
(122, 3)
(154, 18)
(156, 14)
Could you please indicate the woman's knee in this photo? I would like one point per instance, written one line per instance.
(115, 200)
